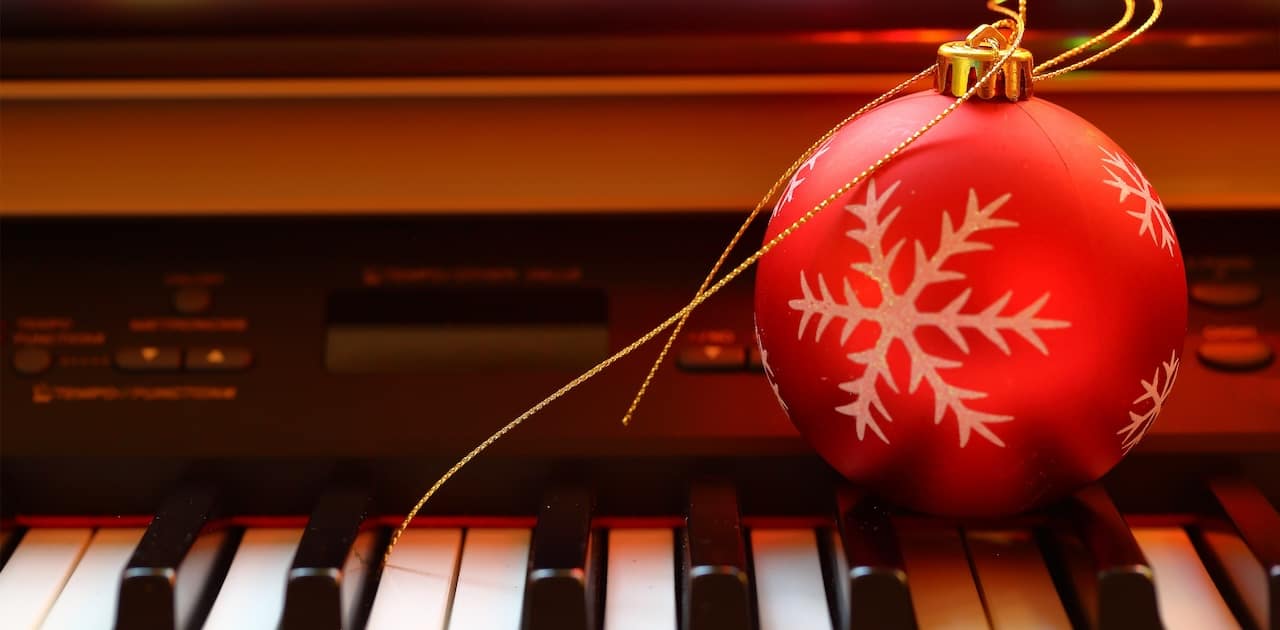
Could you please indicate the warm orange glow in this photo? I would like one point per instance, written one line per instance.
(888, 36)
(585, 144)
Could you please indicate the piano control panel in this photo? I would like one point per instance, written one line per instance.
(367, 337)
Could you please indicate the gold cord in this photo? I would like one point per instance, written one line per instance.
(1017, 19)
(1124, 21)
(1157, 6)
(764, 202)
(708, 289)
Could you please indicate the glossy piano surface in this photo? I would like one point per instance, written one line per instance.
(267, 269)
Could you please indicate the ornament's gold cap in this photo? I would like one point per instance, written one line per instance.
(961, 64)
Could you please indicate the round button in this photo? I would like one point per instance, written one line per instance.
(1234, 348)
(192, 300)
(32, 360)
(1226, 294)
(1238, 354)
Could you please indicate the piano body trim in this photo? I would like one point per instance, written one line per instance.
(538, 145)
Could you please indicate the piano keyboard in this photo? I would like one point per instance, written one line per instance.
(1079, 565)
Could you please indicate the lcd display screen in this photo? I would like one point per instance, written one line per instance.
(461, 329)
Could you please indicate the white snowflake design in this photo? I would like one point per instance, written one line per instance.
(898, 316)
(1156, 391)
(768, 370)
(1153, 219)
(797, 180)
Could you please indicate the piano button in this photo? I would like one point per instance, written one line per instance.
(865, 563)
(32, 360)
(1257, 522)
(640, 585)
(148, 359)
(192, 300)
(417, 581)
(1118, 592)
(563, 567)
(1187, 596)
(491, 580)
(1234, 348)
(1244, 355)
(1015, 583)
(715, 588)
(36, 573)
(252, 595)
(168, 580)
(218, 359)
(89, 598)
(711, 357)
(1226, 294)
(790, 592)
(943, 593)
(318, 586)
(1242, 571)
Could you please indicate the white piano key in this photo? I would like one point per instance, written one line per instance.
(640, 586)
(1185, 592)
(790, 592)
(1243, 570)
(1015, 582)
(195, 575)
(943, 593)
(88, 600)
(490, 589)
(355, 572)
(252, 595)
(417, 581)
(36, 573)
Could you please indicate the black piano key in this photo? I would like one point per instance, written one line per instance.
(864, 566)
(9, 537)
(314, 595)
(562, 592)
(1070, 569)
(174, 574)
(1258, 524)
(715, 587)
(1119, 591)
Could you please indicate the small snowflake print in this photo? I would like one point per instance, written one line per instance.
(1154, 394)
(1152, 218)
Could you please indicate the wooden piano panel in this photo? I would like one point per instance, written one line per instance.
(585, 144)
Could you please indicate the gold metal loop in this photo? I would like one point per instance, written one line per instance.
(987, 36)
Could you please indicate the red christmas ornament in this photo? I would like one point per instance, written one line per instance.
(993, 319)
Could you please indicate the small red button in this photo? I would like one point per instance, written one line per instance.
(219, 359)
(192, 300)
(709, 357)
(32, 360)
